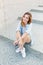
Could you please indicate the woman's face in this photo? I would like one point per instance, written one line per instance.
(25, 19)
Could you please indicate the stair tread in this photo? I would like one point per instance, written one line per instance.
(37, 34)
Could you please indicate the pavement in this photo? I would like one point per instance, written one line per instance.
(8, 56)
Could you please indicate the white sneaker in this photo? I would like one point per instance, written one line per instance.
(18, 50)
(23, 52)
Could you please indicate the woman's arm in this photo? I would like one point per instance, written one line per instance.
(24, 35)
(18, 35)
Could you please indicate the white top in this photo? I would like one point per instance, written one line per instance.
(22, 29)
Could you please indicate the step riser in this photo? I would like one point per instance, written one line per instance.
(37, 22)
(40, 6)
(38, 11)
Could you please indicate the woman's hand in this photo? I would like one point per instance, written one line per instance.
(16, 42)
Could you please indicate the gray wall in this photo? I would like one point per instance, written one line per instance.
(11, 9)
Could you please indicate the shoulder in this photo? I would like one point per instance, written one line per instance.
(19, 22)
(29, 25)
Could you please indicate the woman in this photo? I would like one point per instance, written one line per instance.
(23, 33)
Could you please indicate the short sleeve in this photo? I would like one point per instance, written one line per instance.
(18, 27)
(28, 28)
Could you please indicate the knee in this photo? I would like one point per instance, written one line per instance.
(21, 40)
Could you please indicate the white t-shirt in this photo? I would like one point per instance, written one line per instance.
(22, 29)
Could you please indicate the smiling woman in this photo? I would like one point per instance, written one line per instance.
(26, 19)
(23, 32)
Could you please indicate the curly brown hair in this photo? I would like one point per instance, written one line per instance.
(30, 18)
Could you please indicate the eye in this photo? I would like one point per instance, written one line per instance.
(27, 18)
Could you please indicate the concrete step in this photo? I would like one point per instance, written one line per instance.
(37, 22)
(35, 19)
(8, 56)
(38, 37)
(37, 13)
(37, 16)
(37, 34)
(40, 5)
(37, 9)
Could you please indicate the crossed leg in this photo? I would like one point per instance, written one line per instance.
(22, 41)
(25, 39)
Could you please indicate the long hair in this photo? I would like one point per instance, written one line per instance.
(30, 18)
